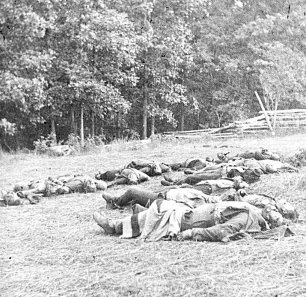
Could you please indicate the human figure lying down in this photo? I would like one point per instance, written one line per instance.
(149, 168)
(220, 221)
(249, 169)
(193, 197)
(31, 192)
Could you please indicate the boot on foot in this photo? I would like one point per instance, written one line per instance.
(103, 222)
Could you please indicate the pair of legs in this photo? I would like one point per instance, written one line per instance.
(144, 198)
(118, 181)
(193, 164)
(198, 177)
(129, 176)
(154, 170)
(40, 188)
(109, 175)
(220, 232)
(133, 195)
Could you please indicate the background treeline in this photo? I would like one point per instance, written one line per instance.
(129, 68)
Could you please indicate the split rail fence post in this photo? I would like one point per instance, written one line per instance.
(265, 113)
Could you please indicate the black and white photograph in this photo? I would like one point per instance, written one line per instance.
(153, 148)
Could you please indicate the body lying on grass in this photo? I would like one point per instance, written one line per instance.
(196, 164)
(128, 176)
(192, 164)
(281, 205)
(249, 169)
(298, 159)
(184, 193)
(150, 168)
(260, 154)
(221, 221)
(30, 193)
(214, 173)
(268, 166)
(193, 198)
(145, 198)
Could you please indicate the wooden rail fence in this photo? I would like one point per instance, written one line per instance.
(284, 119)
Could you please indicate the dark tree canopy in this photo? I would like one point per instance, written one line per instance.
(140, 67)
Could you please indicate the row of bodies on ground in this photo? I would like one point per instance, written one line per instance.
(203, 180)
(135, 172)
(210, 203)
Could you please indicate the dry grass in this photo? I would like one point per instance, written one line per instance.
(55, 249)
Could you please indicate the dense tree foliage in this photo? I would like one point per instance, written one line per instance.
(128, 68)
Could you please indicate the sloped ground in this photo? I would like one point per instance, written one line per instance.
(55, 249)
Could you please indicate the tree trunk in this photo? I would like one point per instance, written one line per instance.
(119, 122)
(145, 107)
(145, 88)
(53, 131)
(73, 122)
(92, 124)
(153, 118)
(219, 118)
(8, 147)
(182, 122)
(101, 127)
(198, 119)
(153, 125)
(82, 126)
(76, 128)
(93, 113)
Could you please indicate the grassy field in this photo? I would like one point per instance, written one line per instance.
(54, 248)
